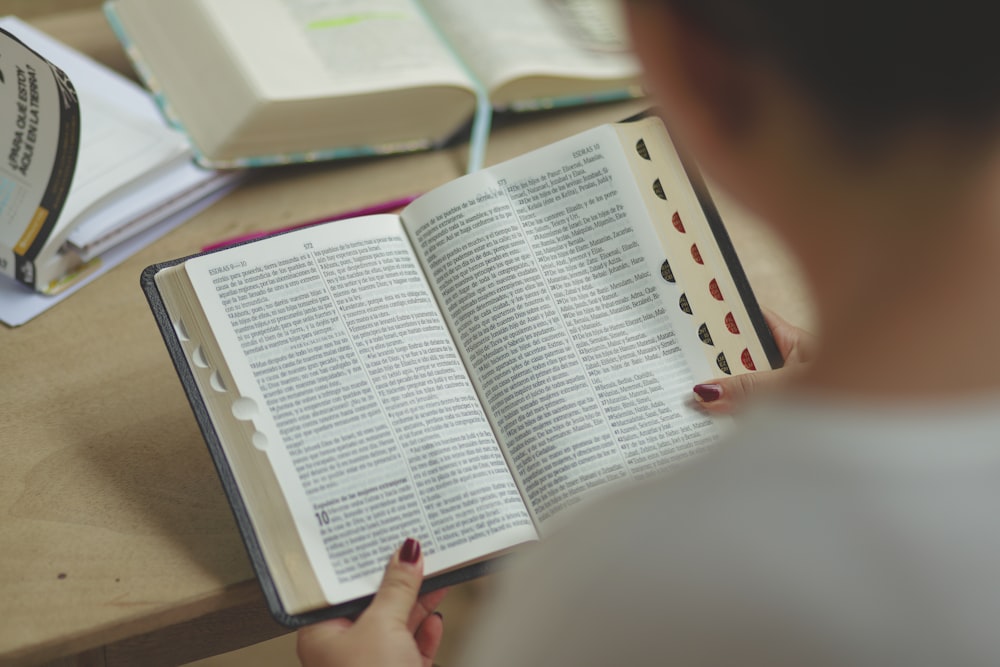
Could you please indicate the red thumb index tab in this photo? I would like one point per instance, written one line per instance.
(39, 141)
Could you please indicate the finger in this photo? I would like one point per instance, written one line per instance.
(774, 320)
(312, 639)
(793, 343)
(400, 585)
(428, 637)
(426, 604)
(326, 628)
(726, 395)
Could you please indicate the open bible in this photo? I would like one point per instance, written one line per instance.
(516, 342)
(301, 80)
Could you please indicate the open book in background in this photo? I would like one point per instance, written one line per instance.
(296, 80)
(134, 180)
(516, 342)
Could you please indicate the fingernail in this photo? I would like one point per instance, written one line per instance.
(708, 392)
(410, 551)
(439, 615)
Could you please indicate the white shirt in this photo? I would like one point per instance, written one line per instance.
(820, 535)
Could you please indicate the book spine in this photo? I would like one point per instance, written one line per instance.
(8, 261)
(36, 180)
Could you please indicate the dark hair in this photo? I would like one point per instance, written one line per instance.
(871, 63)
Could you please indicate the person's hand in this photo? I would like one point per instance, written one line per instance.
(726, 395)
(397, 628)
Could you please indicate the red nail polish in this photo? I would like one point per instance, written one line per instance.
(708, 392)
(410, 551)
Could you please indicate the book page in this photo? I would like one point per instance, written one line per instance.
(351, 46)
(344, 367)
(118, 151)
(548, 269)
(504, 41)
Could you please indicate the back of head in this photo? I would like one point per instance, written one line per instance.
(872, 63)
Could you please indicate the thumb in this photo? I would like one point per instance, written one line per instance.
(313, 641)
(726, 395)
(400, 586)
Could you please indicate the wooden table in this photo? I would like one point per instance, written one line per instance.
(116, 543)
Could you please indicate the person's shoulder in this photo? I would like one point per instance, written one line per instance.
(813, 534)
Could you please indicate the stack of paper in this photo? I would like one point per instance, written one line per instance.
(134, 181)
